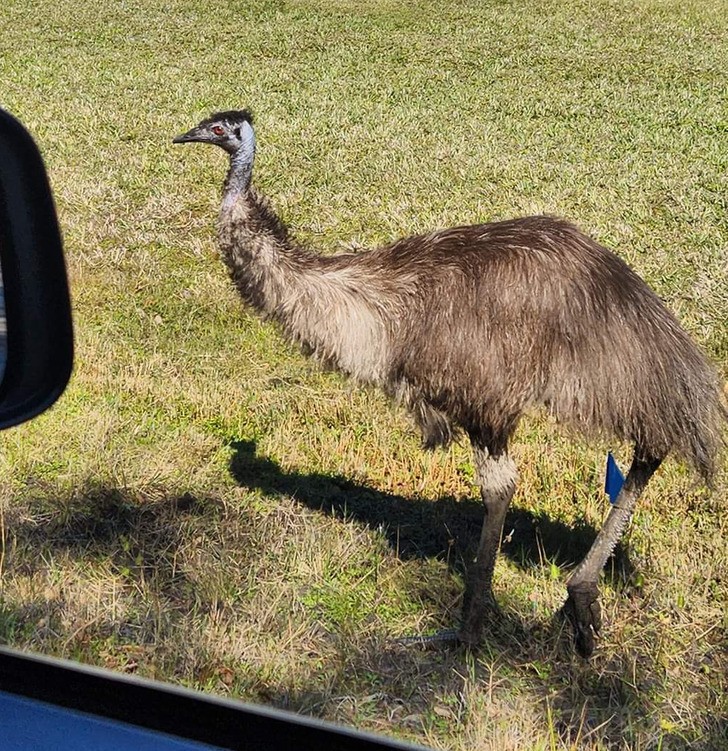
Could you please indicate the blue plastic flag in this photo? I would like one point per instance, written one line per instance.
(613, 479)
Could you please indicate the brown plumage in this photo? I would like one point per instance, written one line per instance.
(470, 328)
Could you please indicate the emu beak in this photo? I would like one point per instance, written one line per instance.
(189, 136)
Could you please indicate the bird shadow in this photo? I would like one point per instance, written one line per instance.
(446, 528)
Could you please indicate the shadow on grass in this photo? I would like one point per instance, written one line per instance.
(446, 528)
(584, 702)
(138, 536)
(364, 679)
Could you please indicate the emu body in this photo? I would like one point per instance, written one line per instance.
(470, 328)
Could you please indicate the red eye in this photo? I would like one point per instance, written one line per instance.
(218, 130)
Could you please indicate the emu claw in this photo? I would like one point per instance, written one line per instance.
(445, 637)
(583, 611)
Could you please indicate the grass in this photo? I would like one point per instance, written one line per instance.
(205, 507)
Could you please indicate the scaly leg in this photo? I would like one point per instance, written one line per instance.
(496, 475)
(582, 606)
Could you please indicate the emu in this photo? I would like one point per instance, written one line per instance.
(470, 327)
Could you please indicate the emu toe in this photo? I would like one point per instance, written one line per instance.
(584, 612)
(446, 637)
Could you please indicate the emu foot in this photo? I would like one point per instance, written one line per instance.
(475, 616)
(583, 611)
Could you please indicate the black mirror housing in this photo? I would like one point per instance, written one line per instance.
(37, 305)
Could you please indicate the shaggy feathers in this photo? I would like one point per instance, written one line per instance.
(471, 327)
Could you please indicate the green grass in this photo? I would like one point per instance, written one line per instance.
(204, 506)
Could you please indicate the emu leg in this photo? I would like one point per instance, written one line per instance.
(496, 475)
(582, 605)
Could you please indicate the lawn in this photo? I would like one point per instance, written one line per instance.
(205, 506)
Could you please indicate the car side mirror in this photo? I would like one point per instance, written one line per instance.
(38, 332)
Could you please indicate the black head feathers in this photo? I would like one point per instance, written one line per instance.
(231, 116)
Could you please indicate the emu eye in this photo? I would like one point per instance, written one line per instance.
(218, 130)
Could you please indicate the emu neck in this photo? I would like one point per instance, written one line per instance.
(238, 176)
(254, 243)
(322, 304)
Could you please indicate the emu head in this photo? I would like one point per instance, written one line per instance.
(231, 131)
